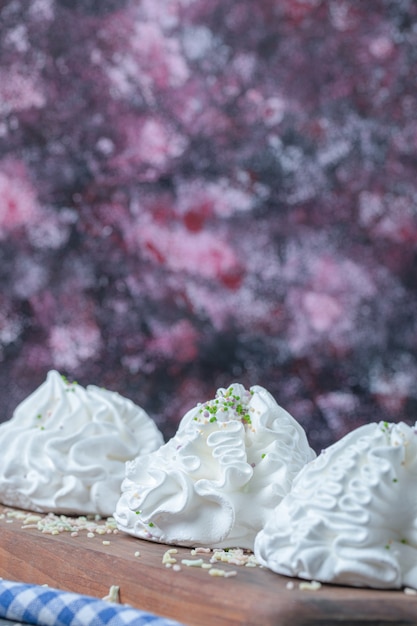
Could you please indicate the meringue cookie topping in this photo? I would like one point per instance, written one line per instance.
(351, 516)
(231, 462)
(65, 447)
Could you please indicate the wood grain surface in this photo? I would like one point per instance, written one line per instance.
(254, 597)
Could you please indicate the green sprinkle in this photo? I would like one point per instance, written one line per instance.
(395, 480)
(151, 524)
(404, 541)
(67, 382)
(387, 547)
(263, 455)
(39, 416)
(228, 404)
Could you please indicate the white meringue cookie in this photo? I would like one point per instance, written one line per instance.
(230, 463)
(65, 447)
(351, 515)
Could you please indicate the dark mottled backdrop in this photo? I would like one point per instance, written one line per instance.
(196, 192)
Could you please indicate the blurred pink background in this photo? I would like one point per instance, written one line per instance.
(197, 192)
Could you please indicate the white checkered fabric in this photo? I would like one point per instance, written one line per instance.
(44, 606)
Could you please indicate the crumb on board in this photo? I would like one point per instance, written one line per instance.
(215, 571)
(216, 557)
(168, 559)
(113, 595)
(54, 524)
(93, 525)
(200, 550)
(409, 591)
(313, 585)
(192, 562)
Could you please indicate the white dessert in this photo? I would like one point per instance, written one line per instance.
(65, 447)
(214, 483)
(351, 516)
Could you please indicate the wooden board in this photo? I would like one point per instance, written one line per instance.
(254, 597)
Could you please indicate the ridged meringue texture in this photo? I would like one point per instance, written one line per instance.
(351, 515)
(65, 447)
(213, 484)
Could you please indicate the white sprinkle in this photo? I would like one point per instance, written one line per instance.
(176, 568)
(137, 553)
(192, 562)
(90, 535)
(30, 519)
(200, 551)
(29, 526)
(16, 514)
(290, 585)
(409, 591)
(106, 543)
(74, 534)
(113, 595)
(216, 572)
(235, 556)
(206, 566)
(225, 558)
(167, 557)
(314, 585)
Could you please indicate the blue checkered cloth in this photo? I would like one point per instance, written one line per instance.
(44, 606)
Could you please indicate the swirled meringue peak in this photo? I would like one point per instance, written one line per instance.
(213, 484)
(65, 447)
(351, 515)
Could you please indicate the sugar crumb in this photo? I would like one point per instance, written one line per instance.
(409, 591)
(314, 585)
